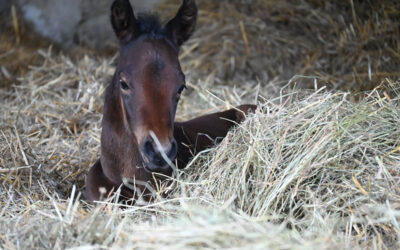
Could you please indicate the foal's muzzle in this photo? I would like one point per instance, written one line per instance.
(154, 155)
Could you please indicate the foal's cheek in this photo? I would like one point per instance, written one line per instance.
(131, 115)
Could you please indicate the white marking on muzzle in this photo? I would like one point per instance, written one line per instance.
(161, 150)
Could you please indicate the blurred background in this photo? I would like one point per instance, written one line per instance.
(348, 45)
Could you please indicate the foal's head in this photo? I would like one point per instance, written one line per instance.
(149, 80)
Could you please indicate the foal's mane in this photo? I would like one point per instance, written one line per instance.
(150, 24)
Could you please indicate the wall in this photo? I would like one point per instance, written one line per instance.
(74, 22)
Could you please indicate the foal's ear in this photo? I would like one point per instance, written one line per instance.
(123, 21)
(182, 26)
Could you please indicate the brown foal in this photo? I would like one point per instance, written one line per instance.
(139, 136)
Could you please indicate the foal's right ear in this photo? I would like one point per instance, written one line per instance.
(182, 26)
(123, 21)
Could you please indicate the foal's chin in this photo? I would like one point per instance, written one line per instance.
(151, 167)
(164, 170)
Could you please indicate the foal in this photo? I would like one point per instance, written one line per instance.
(139, 133)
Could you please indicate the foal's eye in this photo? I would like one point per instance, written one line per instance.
(181, 89)
(124, 85)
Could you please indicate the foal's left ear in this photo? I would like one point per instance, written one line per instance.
(182, 26)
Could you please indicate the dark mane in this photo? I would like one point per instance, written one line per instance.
(150, 25)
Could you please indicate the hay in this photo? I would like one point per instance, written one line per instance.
(310, 170)
(18, 46)
(310, 160)
(350, 45)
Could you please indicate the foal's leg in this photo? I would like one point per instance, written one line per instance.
(97, 184)
(99, 187)
(200, 133)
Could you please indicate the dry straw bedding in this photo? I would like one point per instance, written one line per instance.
(351, 45)
(310, 170)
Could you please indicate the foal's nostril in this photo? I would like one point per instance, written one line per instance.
(153, 154)
(148, 148)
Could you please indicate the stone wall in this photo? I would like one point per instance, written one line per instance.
(74, 22)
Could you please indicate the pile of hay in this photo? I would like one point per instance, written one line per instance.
(351, 45)
(314, 162)
(311, 169)
(307, 170)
